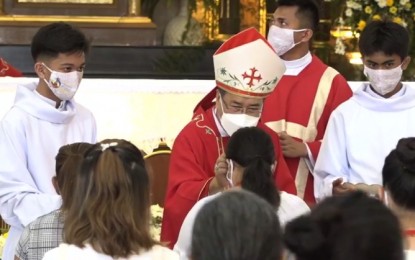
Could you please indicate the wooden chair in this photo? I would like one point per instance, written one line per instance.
(157, 164)
(4, 228)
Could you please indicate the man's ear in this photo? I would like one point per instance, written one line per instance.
(217, 95)
(406, 62)
(217, 104)
(307, 35)
(40, 70)
(55, 184)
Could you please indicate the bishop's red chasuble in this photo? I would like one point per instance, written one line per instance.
(301, 105)
(194, 155)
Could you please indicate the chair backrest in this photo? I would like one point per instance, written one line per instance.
(157, 164)
(4, 228)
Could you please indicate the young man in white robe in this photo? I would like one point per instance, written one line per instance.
(363, 130)
(43, 118)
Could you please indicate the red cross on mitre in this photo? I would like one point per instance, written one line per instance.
(252, 77)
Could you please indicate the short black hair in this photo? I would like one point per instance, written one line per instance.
(56, 38)
(399, 173)
(237, 225)
(354, 226)
(307, 10)
(384, 36)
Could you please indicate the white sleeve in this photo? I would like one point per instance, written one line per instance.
(309, 160)
(290, 208)
(58, 253)
(184, 241)
(332, 162)
(94, 130)
(20, 200)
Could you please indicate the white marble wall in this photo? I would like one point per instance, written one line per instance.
(141, 111)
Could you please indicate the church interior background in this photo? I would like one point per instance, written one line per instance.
(151, 60)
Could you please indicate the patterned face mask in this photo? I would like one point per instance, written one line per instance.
(383, 81)
(63, 84)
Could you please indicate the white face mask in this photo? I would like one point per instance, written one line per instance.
(229, 174)
(383, 81)
(282, 39)
(64, 84)
(232, 122)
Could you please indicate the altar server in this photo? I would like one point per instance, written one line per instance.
(363, 130)
(44, 117)
(300, 107)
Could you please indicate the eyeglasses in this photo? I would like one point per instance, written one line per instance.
(237, 109)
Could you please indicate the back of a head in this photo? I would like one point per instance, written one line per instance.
(308, 12)
(353, 226)
(110, 210)
(56, 38)
(384, 36)
(253, 149)
(68, 161)
(399, 174)
(237, 225)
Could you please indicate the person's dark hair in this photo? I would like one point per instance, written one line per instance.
(307, 13)
(111, 208)
(384, 36)
(56, 38)
(237, 225)
(253, 149)
(68, 161)
(353, 226)
(399, 173)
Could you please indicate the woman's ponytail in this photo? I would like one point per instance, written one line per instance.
(258, 178)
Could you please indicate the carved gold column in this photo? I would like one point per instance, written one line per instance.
(211, 22)
(253, 14)
(263, 17)
(133, 7)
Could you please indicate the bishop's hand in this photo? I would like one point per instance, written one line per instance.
(219, 182)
